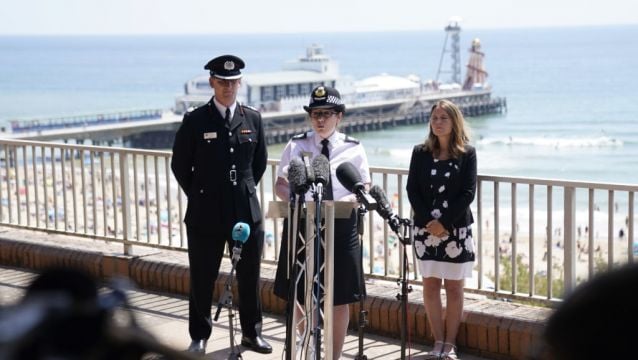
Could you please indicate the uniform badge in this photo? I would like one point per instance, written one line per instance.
(210, 135)
(229, 65)
(245, 131)
(320, 92)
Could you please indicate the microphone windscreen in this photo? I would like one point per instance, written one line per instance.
(241, 232)
(349, 176)
(310, 172)
(321, 167)
(383, 205)
(296, 174)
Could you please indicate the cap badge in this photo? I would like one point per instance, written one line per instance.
(229, 65)
(320, 92)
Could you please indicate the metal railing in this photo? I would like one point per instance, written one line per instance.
(130, 196)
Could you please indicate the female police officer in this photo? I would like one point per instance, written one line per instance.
(326, 111)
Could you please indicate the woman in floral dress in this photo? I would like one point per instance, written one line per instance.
(441, 186)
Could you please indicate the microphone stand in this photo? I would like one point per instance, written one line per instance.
(293, 216)
(226, 300)
(318, 197)
(363, 320)
(406, 239)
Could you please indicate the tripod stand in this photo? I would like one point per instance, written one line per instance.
(406, 239)
(226, 301)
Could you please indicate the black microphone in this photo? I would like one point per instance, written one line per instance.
(321, 167)
(349, 177)
(385, 209)
(310, 172)
(297, 176)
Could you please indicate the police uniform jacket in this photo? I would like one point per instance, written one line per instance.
(462, 189)
(218, 166)
(343, 148)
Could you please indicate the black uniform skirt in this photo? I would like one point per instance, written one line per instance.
(347, 264)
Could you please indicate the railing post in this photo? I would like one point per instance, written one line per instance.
(569, 222)
(126, 202)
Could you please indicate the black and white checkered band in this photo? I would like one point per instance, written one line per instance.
(333, 100)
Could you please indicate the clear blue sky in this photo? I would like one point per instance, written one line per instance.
(286, 16)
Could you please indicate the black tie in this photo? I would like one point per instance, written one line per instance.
(227, 118)
(325, 151)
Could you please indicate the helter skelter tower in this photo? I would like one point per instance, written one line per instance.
(476, 74)
(452, 32)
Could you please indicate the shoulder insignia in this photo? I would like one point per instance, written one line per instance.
(249, 107)
(300, 136)
(350, 139)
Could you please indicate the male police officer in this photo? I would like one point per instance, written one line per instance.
(219, 155)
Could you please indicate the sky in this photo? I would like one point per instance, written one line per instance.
(112, 17)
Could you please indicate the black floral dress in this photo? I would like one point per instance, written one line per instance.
(451, 256)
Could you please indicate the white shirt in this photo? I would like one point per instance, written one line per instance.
(340, 151)
(222, 108)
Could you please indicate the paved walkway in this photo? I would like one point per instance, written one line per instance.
(166, 317)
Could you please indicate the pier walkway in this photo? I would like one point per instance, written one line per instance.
(155, 128)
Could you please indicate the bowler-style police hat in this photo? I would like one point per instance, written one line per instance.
(325, 97)
(225, 67)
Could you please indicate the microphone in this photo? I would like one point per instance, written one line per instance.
(310, 172)
(297, 176)
(349, 177)
(241, 232)
(321, 168)
(384, 209)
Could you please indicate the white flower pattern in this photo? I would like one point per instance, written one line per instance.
(452, 249)
(419, 246)
(458, 247)
(469, 244)
(432, 240)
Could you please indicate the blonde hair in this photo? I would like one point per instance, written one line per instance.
(460, 132)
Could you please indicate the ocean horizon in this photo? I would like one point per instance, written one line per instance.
(571, 95)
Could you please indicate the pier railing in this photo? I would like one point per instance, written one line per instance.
(535, 238)
(78, 121)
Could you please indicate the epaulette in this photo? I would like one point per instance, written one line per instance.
(350, 139)
(300, 136)
(249, 107)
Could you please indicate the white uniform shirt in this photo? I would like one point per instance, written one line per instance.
(340, 151)
(222, 108)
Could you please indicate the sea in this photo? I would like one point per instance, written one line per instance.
(572, 93)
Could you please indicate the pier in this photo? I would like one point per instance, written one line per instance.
(155, 129)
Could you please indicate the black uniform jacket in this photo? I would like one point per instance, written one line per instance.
(218, 165)
(461, 189)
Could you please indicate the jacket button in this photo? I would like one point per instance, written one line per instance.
(234, 183)
(230, 133)
(233, 167)
(232, 150)
(201, 191)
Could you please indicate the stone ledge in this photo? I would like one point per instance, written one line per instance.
(489, 328)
